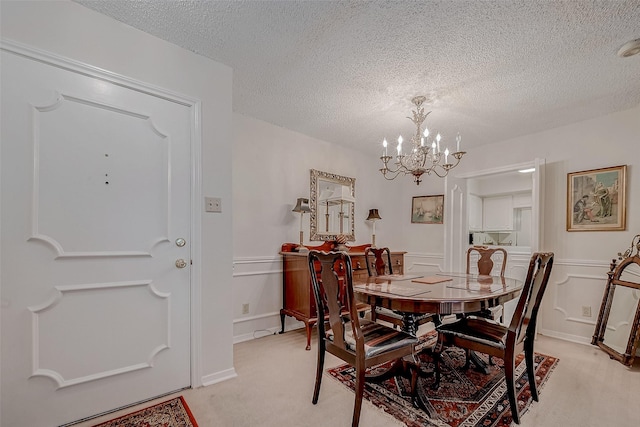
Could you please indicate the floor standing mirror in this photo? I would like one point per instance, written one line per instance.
(618, 326)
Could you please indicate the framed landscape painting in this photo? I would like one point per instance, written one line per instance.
(596, 199)
(427, 209)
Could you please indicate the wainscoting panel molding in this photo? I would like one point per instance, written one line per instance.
(572, 301)
(257, 297)
(575, 285)
(415, 262)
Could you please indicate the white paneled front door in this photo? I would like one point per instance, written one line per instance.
(95, 201)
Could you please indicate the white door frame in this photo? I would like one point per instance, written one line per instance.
(196, 172)
(454, 258)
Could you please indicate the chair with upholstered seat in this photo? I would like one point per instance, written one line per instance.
(485, 266)
(359, 342)
(484, 335)
(381, 265)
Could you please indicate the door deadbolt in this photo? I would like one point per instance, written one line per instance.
(180, 242)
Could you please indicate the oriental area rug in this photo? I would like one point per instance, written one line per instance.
(172, 413)
(465, 398)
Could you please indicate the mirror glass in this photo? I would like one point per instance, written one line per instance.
(618, 328)
(332, 206)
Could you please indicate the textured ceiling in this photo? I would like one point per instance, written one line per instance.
(345, 71)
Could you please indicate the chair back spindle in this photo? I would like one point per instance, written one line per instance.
(486, 262)
(359, 342)
(329, 289)
(525, 316)
(381, 261)
(474, 333)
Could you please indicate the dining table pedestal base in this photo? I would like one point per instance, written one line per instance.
(408, 369)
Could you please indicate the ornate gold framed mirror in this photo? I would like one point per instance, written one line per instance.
(332, 206)
(618, 326)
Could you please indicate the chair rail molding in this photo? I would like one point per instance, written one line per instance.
(586, 263)
(257, 283)
(420, 261)
(247, 263)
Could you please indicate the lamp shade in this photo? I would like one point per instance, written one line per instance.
(373, 215)
(343, 194)
(302, 205)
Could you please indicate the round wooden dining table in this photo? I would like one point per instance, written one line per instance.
(440, 294)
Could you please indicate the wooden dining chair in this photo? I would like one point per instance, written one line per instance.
(487, 259)
(484, 335)
(359, 342)
(381, 265)
(485, 265)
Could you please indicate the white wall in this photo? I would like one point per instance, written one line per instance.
(581, 258)
(424, 243)
(75, 32)
(271, 169)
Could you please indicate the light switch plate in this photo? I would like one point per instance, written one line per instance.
(212, 204)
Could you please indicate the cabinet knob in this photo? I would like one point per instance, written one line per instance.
(397, 262)
(358, 265)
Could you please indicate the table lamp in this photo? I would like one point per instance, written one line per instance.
(373, 217)
(302, 207)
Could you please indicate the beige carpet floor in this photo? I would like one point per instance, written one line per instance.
(276, 376)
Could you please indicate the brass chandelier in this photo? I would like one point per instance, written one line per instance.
(424, 153)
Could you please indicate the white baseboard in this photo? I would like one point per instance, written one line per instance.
(255, 334)
(566, 337)
(218, 377)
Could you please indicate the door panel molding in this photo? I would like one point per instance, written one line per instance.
(193, 111)
(90, 172)
(196, 172)
(43, 344)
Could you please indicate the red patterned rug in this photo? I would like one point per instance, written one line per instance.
(172, 413)
(465, 398)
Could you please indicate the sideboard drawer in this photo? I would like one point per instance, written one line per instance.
(359, 266)
(397, 260)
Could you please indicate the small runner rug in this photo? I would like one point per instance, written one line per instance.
(465, 398)
(172, 413)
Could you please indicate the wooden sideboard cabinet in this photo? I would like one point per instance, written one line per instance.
(297, 294)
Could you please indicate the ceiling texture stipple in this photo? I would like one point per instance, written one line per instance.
(345, 71)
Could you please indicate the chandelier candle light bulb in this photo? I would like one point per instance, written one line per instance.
(425, 156)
